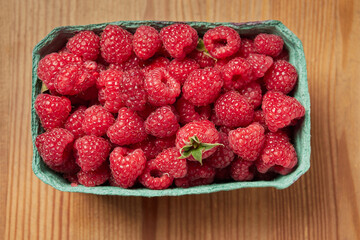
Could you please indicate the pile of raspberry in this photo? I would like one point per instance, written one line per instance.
(163, 108)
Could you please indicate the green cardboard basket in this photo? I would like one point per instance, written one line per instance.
(57, 39)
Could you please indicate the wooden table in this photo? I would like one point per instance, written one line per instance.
(323, 204)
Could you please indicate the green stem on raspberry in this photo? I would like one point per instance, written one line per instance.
(201, 48)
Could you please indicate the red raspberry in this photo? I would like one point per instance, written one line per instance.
(97, 120)
(247, 142)
(234, 110)
(260, 118)
(153, 178)
(132, 90)
(259, 64)
(109, 90)
(197, 171)
(163, 143)
(128, 128)
(179, 39)
(220, 63)
(162, 123)
(253, 94)
(280, 110)
(180, 69)
(161, 87)
(69, 57)
(281, 77)
(94, 178)
(223, 174)
(237, 73)
(168, 161)
(159, 62)
(49, 67)
(147, 111)
(185, 182)
(85, 44)
(55, 146)
(116, 44)
(74, 122)
(134, 62)
(126, 166)
(222, 41)
(282, 171)
(68, 167)
(268, 44)
(202, 59)
(247, 47)
(91, 152)
(223, 155)
(52, 110)
(189, 112)
(202, 86)
(148, 147)
(241, 170)
(146, 42)
(205, 132)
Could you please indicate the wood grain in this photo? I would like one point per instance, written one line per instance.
(323, 204)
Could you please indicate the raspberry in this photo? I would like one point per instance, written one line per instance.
(128, 128)
(116, 44)
(259, 64)
(281, 77)
(55, 146)
(179, 39)
(71, 177)
(220, 63)
(74, 122)
(234, 110)
(148, 146)
(253, 94)
(199, 138)
(168, 161)
(153, 178)
(197, 171)
(241, 170)
(185, 182)
(162, 143)
(268, 44)
(97, 120)
(134, 62)
(132, 90)
(247, 47)
(126, 166)
(146, 42)
(94, 178)
(159, 62)
(237, 73)
(162, 123)
(52, 110)
(247, 142)
(180, 69)
(189, 112)
(69, 57)
(222, 41)
(202, 86)
(109, 90)
(282, 171)
(223, 155)
(260, 118)
(91, 152)
(202, 59)
(147, 111)
(68, 167)
(161, 87)
(49, 67)
(223, 174)
(85, 44)
(280, 110)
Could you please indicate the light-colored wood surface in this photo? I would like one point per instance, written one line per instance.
(323, 204)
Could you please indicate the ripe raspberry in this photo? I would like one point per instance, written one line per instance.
(74, 122)
(179, 39)
(237, 73)
(223, 155)
(91, 152)
(222, 41)
(259, 64)
(49, 67)
(55, 146)
(180, 69)
(132, 90)
(197, 171)
(282, 171)
(116, 44)
(247, 142)
(168, 161)
(153, 178)
(281, 77)
(126, 166)
(189, 112)
(147, 111)
(153, 63)
(186, 182)
(68, 167)
(268, 44)
(148, 147)
(260, 118)
(52, 110)
(205, 142)
(134, 62)
(94, 178)
(162, 123)
(223, 174)
(97, 120)
(128, 128)
(161, 87)
(247, 47)
(280, 110)
(202, 59)
(146, 42)
(202, 86)
(85, 44)
(242, 170)
(163, 143)
(220, 63)
(253, 93)
(234, 110)
(69, 57)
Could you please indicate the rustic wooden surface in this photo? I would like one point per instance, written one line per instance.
(323, 204)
